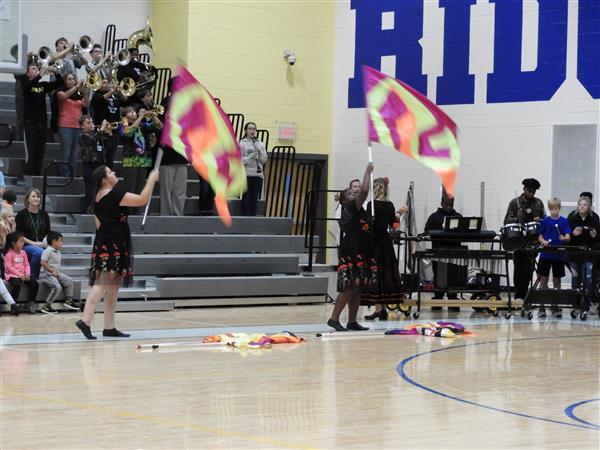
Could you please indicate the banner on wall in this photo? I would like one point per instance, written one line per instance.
(400, 117)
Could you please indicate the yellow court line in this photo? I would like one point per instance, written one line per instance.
(276, 443)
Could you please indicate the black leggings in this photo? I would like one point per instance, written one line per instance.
(15, 288)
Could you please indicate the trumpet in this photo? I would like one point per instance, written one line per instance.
(157, 110)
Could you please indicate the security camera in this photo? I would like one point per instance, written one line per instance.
(289, 56)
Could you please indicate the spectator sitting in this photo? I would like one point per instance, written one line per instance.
(52, 277)
(34, 223)
(9, 198)
(16, 268)
(7, 224)
(5, 294)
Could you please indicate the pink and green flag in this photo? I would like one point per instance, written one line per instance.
(402, 118)
(197, 128)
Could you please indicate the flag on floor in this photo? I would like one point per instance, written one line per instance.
(402, 118)
(197, 128)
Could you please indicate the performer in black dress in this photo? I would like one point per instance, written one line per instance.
(389, 286)
(112, 256)
(357, 268)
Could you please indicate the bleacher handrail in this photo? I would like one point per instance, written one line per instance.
(45, 183)
(312, 201)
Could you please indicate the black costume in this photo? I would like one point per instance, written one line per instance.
(356, 263)
(112, 257)
(389, 285)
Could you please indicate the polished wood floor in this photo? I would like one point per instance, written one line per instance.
(515, 384)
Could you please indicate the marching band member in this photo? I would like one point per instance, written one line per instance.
(35, 115)
(523, 209)
(72, 98)
(98, 62)
(105, 107)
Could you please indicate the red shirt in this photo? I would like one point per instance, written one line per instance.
(69, 113)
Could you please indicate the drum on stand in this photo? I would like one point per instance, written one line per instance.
(531, 231)
(513, 237)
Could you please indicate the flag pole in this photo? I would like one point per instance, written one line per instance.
(370, 151)
(159, 156)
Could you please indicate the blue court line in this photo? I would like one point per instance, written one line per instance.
(401, 371)
(181, 333)
(569, 412)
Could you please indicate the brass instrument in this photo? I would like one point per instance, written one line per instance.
(123, 58)
(93, 81)
(86, 44)
(126, 86)
(157, 110)
(147, 77)
(141, 37)
(44, 58)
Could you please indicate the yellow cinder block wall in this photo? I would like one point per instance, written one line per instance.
(235, 48)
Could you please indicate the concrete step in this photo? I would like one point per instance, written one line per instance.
(257, 286)
(77, 187)
(128, 293)
(186, 244)
(14, 165)
(247, 301)
(198, 225)
(213, 264)
(128, 305)
(73, 203)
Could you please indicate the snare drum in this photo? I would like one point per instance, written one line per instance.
(531, 231)
(512, 236)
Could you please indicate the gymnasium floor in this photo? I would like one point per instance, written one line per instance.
(515, 384)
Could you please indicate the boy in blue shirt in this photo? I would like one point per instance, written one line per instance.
(554, 230)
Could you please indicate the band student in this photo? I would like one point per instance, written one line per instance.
(524, 209)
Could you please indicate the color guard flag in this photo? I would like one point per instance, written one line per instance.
(402, 118)
(197, 128)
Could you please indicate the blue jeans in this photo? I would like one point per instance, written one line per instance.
(34, 254)
(582, 274)
(69, 143)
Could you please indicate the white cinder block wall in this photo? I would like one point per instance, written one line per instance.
(45, 21)
(501, 143)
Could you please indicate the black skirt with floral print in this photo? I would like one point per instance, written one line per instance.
(357, 266)
(112, 258)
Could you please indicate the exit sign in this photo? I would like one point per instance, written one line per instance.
(286, 131)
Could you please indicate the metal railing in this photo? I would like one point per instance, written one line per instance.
(278, 172)
(45, 183)
(161, 85)
(312, 208)
(263, 136)
(237, 123)
(7, 132)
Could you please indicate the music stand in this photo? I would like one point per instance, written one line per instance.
(463, 224)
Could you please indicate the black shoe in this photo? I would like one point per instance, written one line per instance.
(381, 315)
(336, 325)
(454, 309)
(85, 329)
(542, 313)
(70, 304)
(355, 326)
(436, 308)
(48, 309)
(557, 313)
(113, 332)
(14, 309)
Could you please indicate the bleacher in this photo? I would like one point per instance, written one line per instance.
(179, 261)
